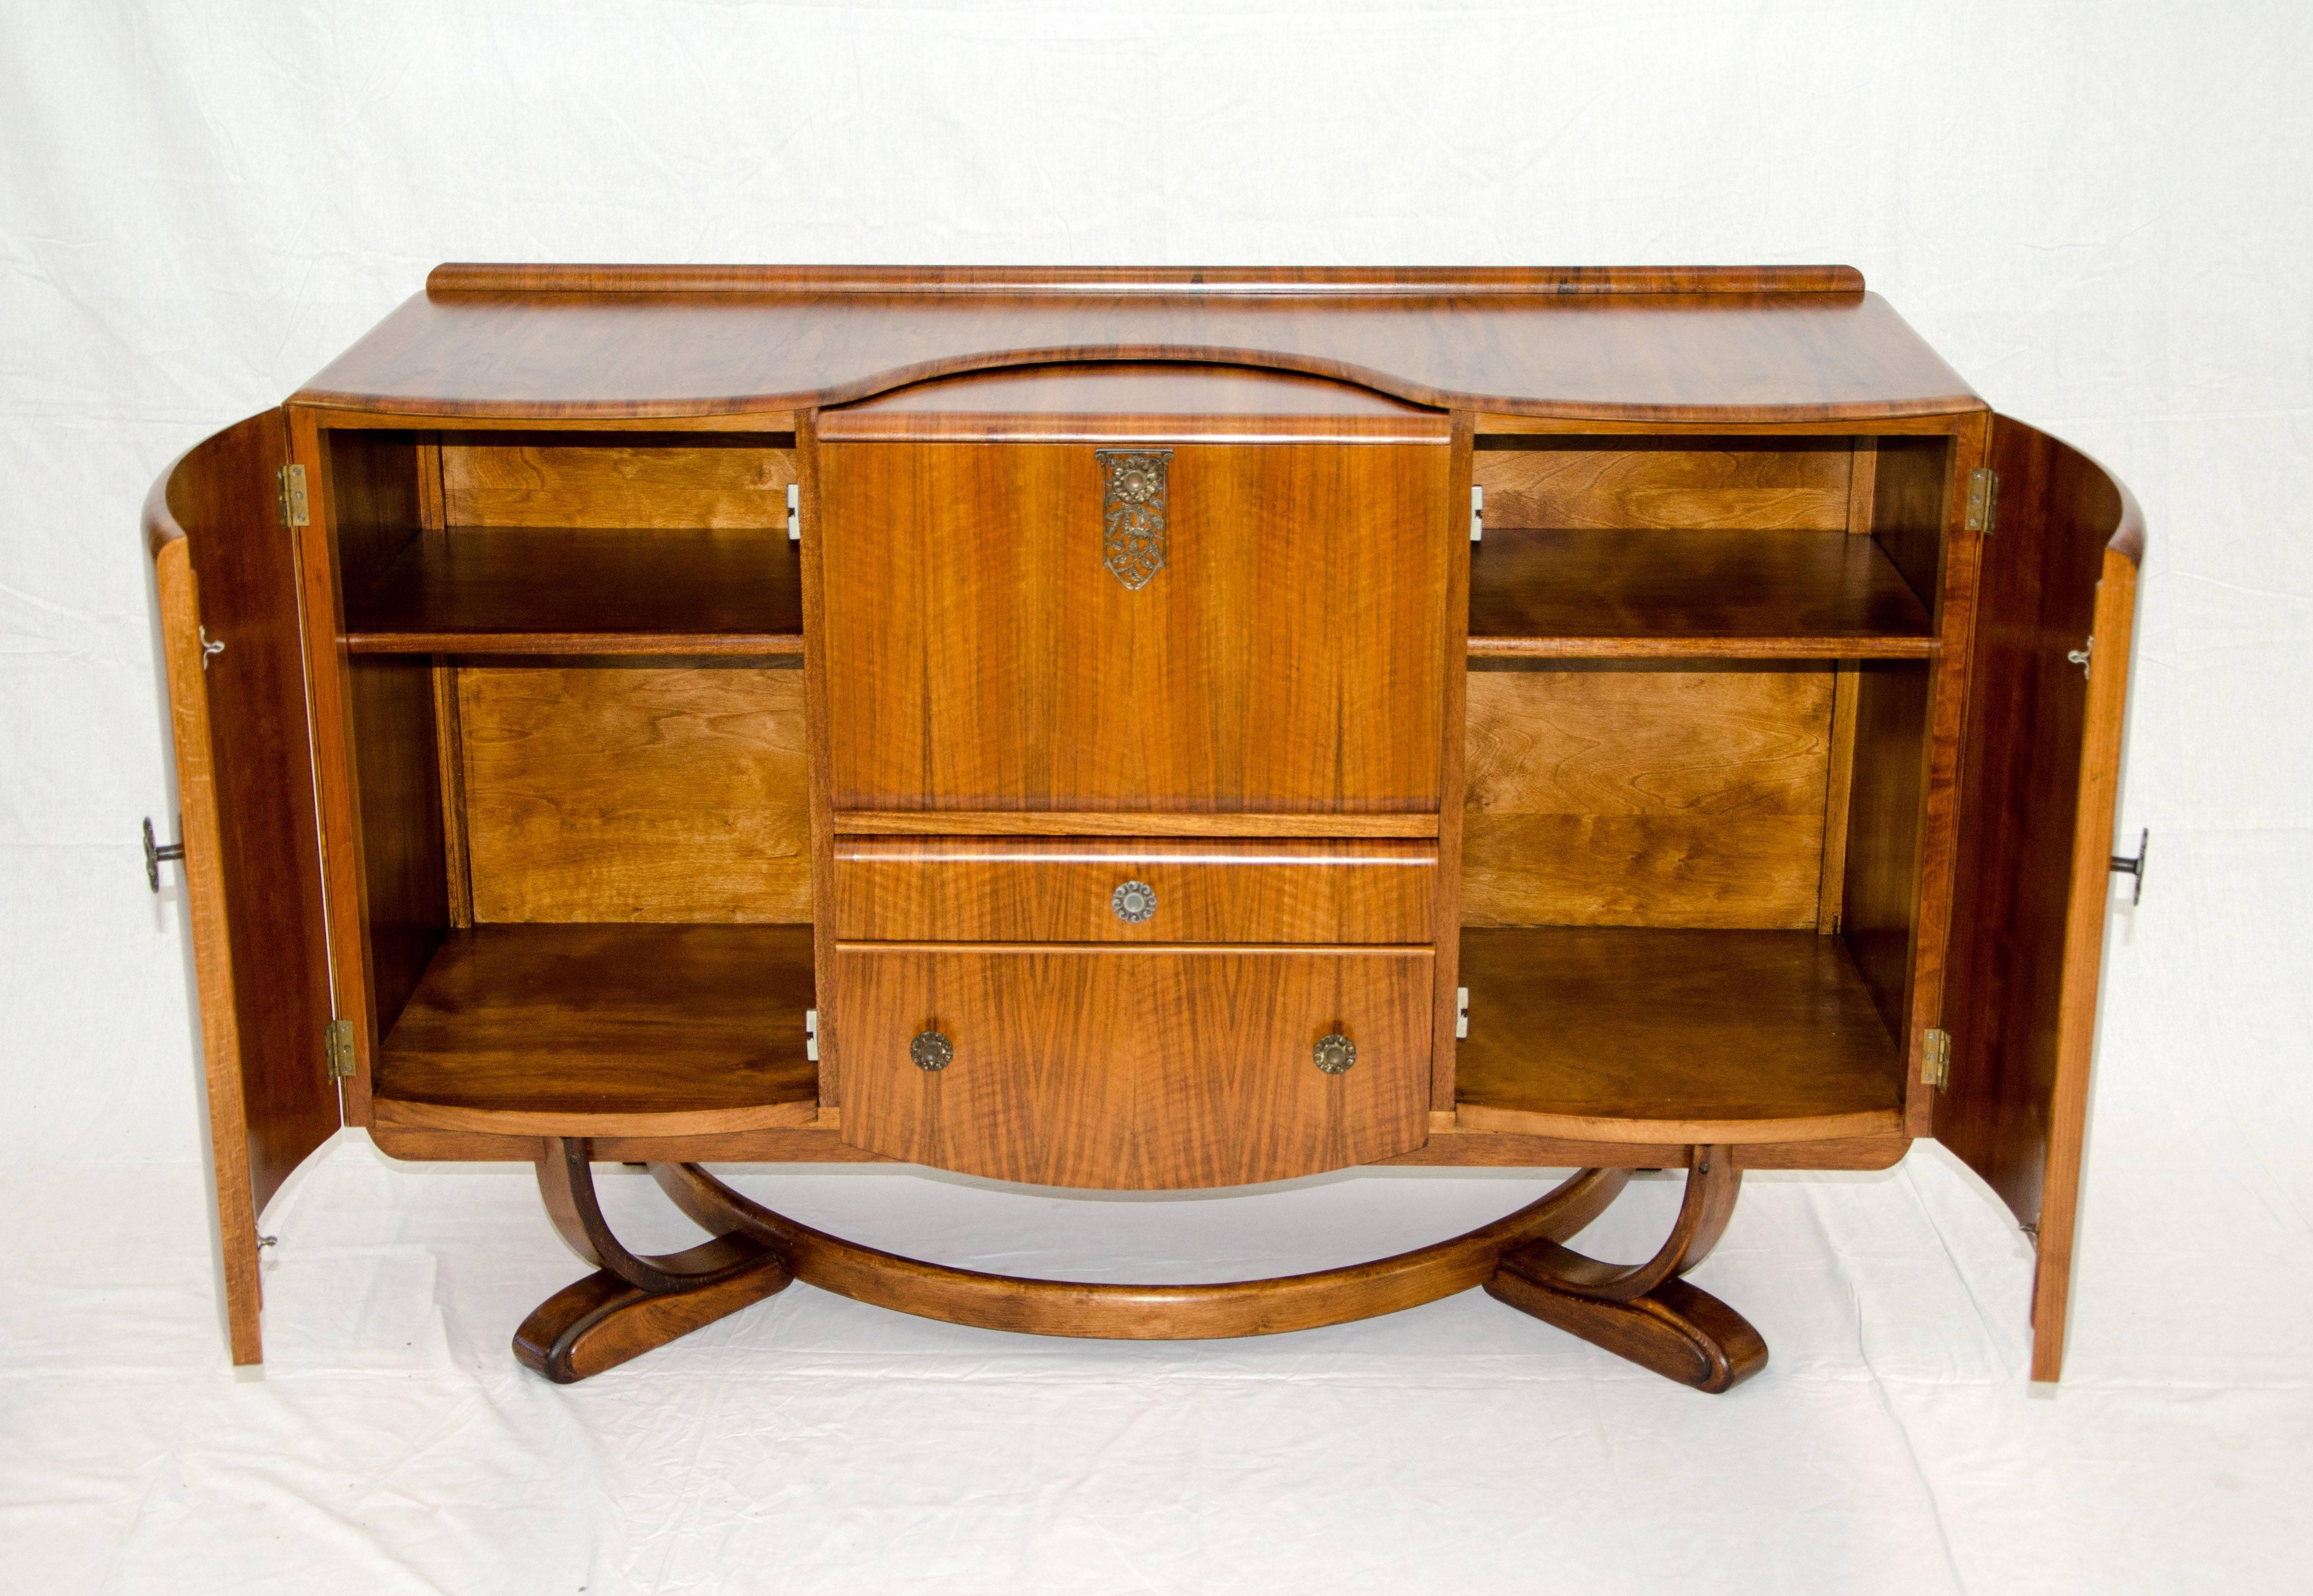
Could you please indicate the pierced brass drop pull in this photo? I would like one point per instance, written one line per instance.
(1335, 1054)
(931, 1051)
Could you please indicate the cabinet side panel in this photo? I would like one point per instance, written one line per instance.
(405, 863)
(1881, 911)
(1910, 478)
(266, 857)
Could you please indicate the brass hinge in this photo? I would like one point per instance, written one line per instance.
(294, 514)
(1983, 499)
(337, 1049)
(1936, 1071)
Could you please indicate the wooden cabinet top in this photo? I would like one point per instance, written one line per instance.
(1707, 344)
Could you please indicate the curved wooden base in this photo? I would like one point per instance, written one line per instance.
(1641, 1311)
(599, 1322)
(1141, 1312)
(1676, 1330)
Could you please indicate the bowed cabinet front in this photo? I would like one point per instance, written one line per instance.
(1147, 730)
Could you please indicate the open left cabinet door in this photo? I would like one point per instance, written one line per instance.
(229, 632)
(2039, 775)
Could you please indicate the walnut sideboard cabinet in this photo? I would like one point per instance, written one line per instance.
(1146, 729)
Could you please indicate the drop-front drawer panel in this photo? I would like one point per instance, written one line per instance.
(1274, 637)
(944, 889)
(1132, 1069)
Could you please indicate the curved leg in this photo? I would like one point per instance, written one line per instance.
(633, 1303)
(1141, 1312)
(1643, 1311)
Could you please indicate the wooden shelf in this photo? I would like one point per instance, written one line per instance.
(1623, 1035)
(1698, 595)
(584, 590)
(599, 1030)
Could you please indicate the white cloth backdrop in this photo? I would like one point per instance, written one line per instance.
(2100, 213)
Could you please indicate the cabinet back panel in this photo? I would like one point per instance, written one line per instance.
(1779, 485)
(513, 479)
(1642, 795)
(641, 793)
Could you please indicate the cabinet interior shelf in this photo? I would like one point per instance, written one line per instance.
(1590, 593)
(584, 590)
(604, 1030)
(1638, 1034)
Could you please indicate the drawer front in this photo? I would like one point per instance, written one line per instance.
(1133, 1070)
(988, 647)
(942, 889)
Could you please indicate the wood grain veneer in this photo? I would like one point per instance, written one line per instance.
(1624, 484)
(1646, 795)
(2041, 773)
(617, 791)
(678, 481)
(950, 889)
(1154, 402)
(1689, 344)
(1288, 658)
(1137, 1067)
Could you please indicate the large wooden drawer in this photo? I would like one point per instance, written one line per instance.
(1134, 1069)
(944, 889)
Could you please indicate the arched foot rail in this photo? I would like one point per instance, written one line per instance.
(633, 1302)
(1643, 1311)
(1140, 1312)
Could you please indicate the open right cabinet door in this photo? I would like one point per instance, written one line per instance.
(2039, 775)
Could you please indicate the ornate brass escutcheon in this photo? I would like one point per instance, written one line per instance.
(1134, 902)
(1334, 1052)
(1132, 496)
(931, 1051)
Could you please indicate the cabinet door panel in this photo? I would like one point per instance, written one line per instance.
(252, 860)
(1134, 1069)
(1287, 656)
(2039, 774)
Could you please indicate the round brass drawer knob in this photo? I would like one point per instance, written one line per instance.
(1335, 1054)
(931, 1051)
(1133, 901)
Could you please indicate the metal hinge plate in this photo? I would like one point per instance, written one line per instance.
(1477, 514)
(1983, 499)
(811, 1035)
(795, 514)
(1936, 1071)
(1461, 1011)
(337, 1049)
(293, 513)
